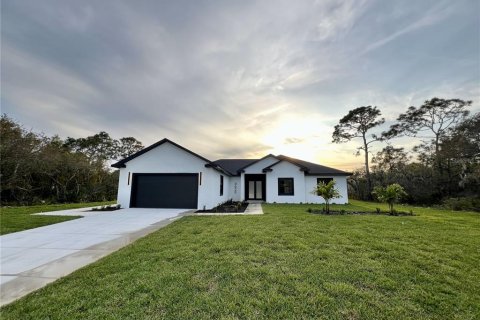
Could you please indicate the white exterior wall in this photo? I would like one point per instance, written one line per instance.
(234, 191)
(286, 170)
(242, 186)
(340, 184)
(167, 158)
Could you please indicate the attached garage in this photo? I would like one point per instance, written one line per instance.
(164, 190)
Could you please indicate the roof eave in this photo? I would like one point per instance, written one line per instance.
(269, 168)
(241, 170)
(121, 163)
(328, 174)
(218, 168)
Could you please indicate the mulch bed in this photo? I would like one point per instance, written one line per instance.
(344, 212)
(107, 208)
(230, 206)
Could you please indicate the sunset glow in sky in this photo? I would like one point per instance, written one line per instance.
(233, 78)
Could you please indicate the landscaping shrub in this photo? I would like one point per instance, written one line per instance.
(391, 194)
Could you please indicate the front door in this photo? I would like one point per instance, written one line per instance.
(255, 186)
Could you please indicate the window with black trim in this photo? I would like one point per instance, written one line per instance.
(324, 180)
(221, 185)
(285, 186)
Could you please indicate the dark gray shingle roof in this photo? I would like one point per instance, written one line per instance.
(233, 165)
(313, 168)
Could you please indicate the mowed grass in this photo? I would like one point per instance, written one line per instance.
(14, 219)
(285, 264)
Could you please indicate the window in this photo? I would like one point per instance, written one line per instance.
(221, 185)
(285, 186)
(324, 180)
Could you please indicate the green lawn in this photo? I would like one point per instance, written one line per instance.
(13, 219)
(286, 264)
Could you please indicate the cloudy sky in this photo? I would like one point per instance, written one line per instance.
(232, 78)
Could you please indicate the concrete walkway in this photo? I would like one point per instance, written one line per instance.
(32, 258)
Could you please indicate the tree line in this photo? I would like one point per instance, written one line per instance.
(444, 164)
(37, 168)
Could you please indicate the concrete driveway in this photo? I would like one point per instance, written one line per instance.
(30, 259)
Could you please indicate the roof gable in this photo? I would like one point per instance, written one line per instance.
(121, 163)
(312, 168)
(257, 165)
(279, 162)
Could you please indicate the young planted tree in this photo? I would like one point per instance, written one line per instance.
(356, 124)
(327, 191)
(391, 194)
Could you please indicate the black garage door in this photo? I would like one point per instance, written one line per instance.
(164, 190)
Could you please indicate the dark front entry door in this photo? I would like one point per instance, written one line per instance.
(164, 190)
(255, 187)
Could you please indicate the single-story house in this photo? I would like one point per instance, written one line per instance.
(167, 175)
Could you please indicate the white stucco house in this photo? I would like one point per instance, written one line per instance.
(167, 175)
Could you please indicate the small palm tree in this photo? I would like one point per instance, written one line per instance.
(327, 191)
(391, 194)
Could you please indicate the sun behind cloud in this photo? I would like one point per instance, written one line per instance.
(299, 136)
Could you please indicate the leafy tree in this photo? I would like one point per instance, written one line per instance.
(434, 117)
(463, 141)
(61, 173)
(433, 122)
(127, 146)
(36, 168)
(19, 149)
(391, 194)
(99, 147)
(327, 191)
(390, 158)
(460, 150)
(356, 124)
